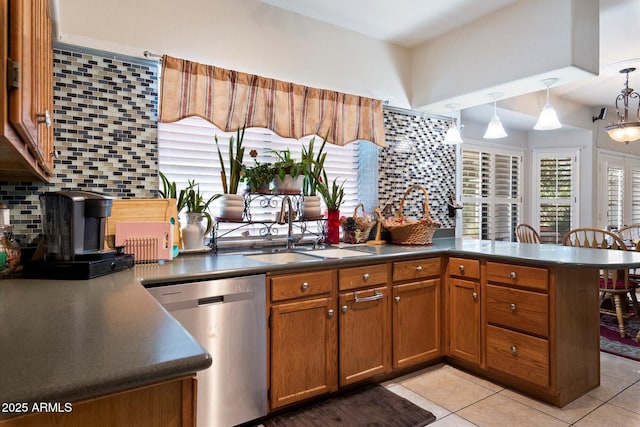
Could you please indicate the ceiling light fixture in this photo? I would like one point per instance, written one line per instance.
(453, 134)
(495, 129)
(625, 131)
(548, 119)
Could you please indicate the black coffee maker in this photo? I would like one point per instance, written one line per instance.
(73, 226)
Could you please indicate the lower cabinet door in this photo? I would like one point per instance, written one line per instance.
(364, 334)
(303, 350)
(464, 320)
(416, 322)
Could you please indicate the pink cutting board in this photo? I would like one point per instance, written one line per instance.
(158, 234)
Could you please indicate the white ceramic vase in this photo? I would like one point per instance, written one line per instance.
(194, 232)
(288, 185)
(311, 207)
(231, 207)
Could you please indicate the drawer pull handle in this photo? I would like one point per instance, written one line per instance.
(397, 299)
(365, 276)
(376, 296)
(512, 306)
(514, 350)
(461, 267)
(305, 286)
(344, 308)
(330, 313)
(512, 275)
(419, 268)
(475, 296)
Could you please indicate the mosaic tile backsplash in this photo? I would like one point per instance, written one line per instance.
(105, 120)
(105, 115)
(414, 155)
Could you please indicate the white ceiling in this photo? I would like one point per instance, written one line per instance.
(411, 22)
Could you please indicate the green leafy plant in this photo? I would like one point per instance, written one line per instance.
(313, 167)
(259, 176)
(169, 191)
(286, 165)
(333, 196)
(195, 203)
(235, 163)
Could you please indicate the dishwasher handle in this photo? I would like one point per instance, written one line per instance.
(209, 301)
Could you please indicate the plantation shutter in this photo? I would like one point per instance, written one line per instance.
(557, 200)
(635, 195)
(186, 150)
(615, 196)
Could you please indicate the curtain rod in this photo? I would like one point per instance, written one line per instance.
(148, 54)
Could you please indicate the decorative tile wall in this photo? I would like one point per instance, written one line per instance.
(415, 155)
(105, 115)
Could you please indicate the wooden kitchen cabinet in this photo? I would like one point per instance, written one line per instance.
(464, 310)
(364, 326)
(416, 312)
(26, 90)
(302, 337)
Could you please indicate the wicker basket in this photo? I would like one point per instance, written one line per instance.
(356, 229)
(412, 231)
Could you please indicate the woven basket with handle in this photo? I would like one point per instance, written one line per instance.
(412, 231)
(356, 229)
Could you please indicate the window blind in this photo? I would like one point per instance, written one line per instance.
(615, 197)
(187, 150)
(556, 195)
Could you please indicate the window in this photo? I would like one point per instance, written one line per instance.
(490, 192)
(620, 180)
(187, 150)
(556, 193)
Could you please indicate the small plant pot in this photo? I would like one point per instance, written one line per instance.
(288, 185)
(231, 207)
(311, 208)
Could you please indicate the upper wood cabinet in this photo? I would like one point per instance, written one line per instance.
(26, 90)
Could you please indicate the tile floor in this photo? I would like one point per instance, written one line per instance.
(459, 399)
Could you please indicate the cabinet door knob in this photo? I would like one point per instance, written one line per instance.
(419, 268)
(514, 350)
(330, 313)
(305, 286)
(512, 306)
(365, 276)
(461, 267)
(397, 299)
(344, 308)
(474, 296)
(512, 274)
(44, 118)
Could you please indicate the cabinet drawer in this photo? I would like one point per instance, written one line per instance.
(520, 355)
(416, 269)
(357, 277)
(462, 267)
(518, 309)
(518, 275)
(300, 285)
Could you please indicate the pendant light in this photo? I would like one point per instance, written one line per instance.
(548, 118)
(495, 129)
(624, 131)
(453, 134)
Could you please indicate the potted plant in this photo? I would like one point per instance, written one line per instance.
(194, 232)
(231, 205)
(313, 169)
(289, 173)
(333, 197)
(259, 177)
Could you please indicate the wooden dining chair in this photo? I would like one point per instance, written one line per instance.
(527, 234)
(613, 284)
(630, 234)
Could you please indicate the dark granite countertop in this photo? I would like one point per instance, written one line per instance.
(70, 340)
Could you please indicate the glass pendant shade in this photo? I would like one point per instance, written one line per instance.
(453, 135)
(625, 131)
(495, 129)
(548, 119)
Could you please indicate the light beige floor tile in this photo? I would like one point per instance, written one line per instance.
(420, 372)
(619, 367)
(569, 413)
(452, 421)
(447, 389)
(480, 381)
(610, 416)
(629, 399)
(418, 400)
(500, 411)
(609, 387)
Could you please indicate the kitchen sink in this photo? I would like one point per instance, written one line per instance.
(281, 257)
(337, 253)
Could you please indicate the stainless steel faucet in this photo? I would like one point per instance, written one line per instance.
(291, 239)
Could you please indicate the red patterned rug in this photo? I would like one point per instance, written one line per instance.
(610, 341)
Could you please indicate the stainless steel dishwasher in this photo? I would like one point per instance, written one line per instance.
(227, 317)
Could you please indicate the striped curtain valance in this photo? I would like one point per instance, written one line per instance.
(230, 99)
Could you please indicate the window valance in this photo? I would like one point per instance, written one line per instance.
(229, 99)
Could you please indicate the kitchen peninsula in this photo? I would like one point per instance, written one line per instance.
(69, 341)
